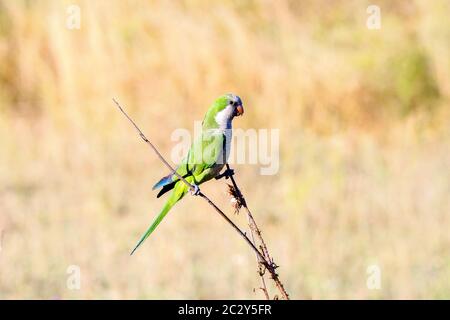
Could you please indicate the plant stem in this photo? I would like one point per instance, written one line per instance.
(254, 227)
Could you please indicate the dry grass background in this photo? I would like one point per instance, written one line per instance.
(365, 140)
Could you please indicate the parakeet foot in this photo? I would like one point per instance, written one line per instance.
(227, 173)
(195, 190)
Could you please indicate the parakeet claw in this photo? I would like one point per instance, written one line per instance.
(195, 190)
(227, 173)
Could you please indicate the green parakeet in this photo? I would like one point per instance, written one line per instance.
(205, 159)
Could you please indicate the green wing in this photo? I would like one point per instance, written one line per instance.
(203, 154)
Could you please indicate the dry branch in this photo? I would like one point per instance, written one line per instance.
(254, 229)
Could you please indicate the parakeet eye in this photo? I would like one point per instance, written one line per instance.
(233, 103)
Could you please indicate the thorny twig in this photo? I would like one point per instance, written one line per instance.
(237, 203)
(237, 194)
(269, 265)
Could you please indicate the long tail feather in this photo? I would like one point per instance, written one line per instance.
(178, 193)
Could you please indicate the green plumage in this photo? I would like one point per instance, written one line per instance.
(205, 159)
(178, 192)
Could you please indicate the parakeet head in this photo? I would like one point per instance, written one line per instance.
(235, 103)
(223, 110)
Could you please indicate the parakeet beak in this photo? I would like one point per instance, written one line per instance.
(240, 110)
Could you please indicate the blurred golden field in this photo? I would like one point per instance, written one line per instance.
(365, 147)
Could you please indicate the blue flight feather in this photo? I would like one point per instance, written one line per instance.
(164, 181)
